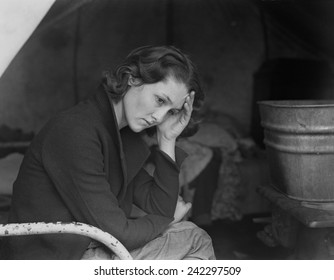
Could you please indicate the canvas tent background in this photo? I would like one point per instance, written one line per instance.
(62, 61)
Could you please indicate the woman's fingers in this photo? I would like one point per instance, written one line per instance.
(182, 208)
(192, 97)
(188, 206)
(188, 106)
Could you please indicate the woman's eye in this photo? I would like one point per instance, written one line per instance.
(174, 112)
(160, 101)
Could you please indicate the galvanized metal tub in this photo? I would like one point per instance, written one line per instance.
(299, 139)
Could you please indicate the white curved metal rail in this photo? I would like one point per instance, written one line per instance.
(73, 228)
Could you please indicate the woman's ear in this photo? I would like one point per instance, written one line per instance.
(132, 81)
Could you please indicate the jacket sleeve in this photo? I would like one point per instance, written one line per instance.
(72, 158)
(158, 194)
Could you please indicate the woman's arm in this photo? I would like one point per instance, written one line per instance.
(159, 195)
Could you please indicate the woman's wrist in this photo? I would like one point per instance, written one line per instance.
(167, 146)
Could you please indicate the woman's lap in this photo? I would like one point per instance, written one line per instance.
(183, 240)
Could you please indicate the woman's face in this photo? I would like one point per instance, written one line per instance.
(150, 104)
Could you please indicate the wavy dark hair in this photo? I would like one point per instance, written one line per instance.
(152, 64)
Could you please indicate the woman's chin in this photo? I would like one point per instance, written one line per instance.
(137, 128)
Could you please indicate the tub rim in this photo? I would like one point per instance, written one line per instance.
(305, 103)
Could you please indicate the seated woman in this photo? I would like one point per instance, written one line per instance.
(86, 165)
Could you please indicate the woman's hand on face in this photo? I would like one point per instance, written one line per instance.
(181, 210)
(173, 125)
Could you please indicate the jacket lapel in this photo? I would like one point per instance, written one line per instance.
(108, 117)
(133, 151)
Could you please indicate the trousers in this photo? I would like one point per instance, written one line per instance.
(180, 241)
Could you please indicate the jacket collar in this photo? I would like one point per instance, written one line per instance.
(133, 151)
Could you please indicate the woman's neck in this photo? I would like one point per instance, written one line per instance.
(119, 112)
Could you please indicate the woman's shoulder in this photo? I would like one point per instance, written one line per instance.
(78, 122)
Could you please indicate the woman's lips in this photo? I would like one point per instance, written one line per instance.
(148, 123)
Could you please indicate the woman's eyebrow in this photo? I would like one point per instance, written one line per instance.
(167, 97)
(170, 101)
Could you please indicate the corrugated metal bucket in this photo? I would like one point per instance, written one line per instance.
(299, 139)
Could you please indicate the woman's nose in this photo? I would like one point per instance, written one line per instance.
(159, 115)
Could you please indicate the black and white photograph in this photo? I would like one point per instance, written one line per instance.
(167, 130)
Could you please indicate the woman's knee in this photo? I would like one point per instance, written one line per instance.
(193, 231)
(201, 242)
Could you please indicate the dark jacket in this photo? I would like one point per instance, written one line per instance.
(81, 168)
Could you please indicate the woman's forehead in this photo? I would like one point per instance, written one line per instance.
(174, 91)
